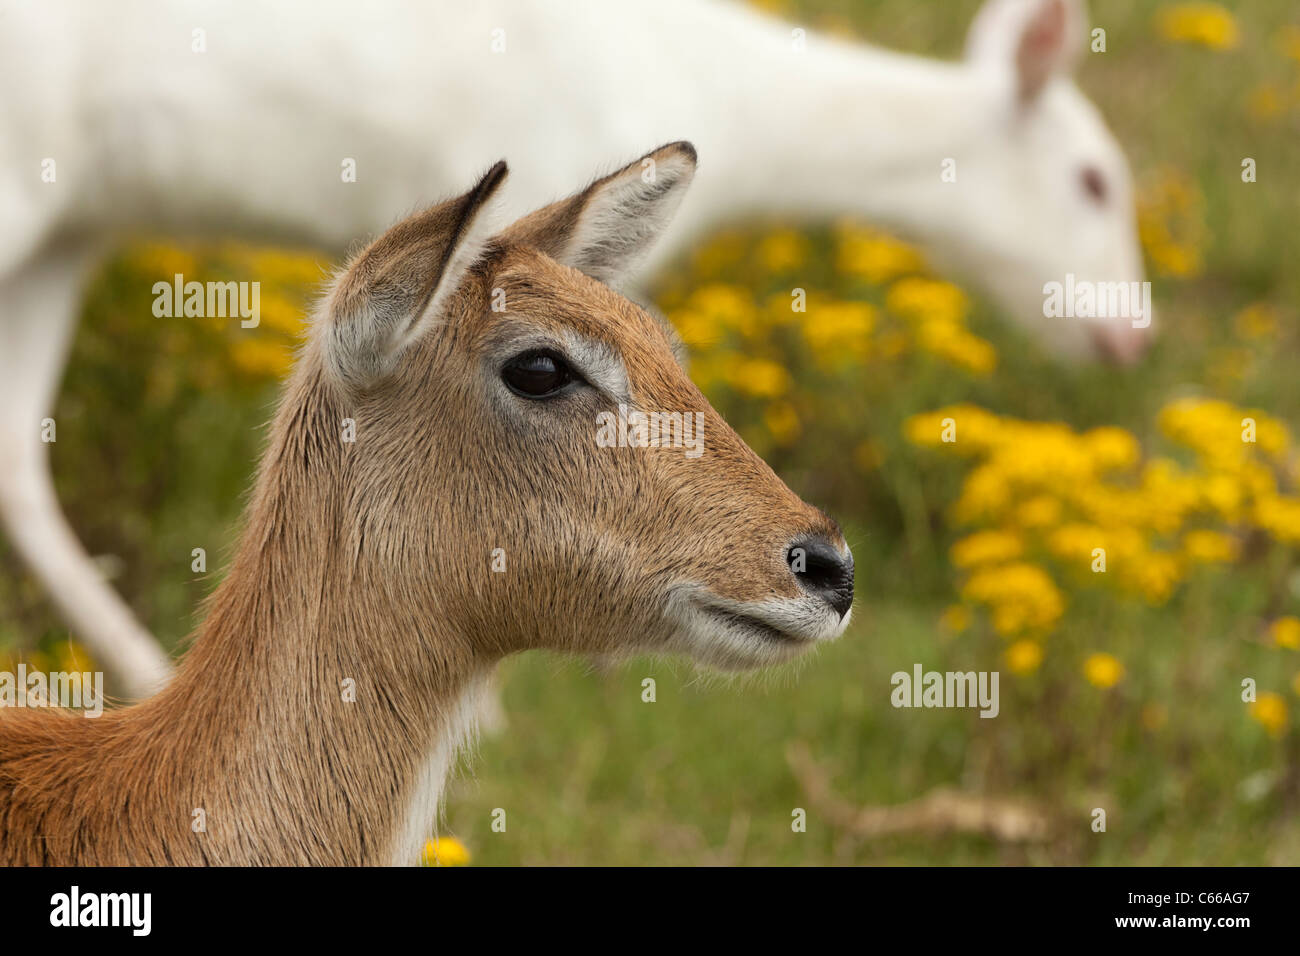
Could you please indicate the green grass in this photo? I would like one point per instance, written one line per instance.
(588, 773)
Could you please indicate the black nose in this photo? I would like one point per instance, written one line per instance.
(823, 571)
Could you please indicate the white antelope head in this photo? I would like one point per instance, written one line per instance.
(1043, 191)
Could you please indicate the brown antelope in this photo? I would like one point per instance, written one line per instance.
(333, 679)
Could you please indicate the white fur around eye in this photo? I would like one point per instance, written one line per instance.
(600, 364)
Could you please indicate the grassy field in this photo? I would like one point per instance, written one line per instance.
(1128, 698)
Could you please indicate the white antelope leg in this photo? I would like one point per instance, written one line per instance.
(38, 312)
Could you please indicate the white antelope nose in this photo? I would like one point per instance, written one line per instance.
(1121, 342)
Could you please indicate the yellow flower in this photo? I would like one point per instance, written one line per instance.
(1286, 632)
(782, 251)
(1257, 480)
(1271, 435)
(974, 354)
(1042, 511)
(1270, 712)
(1207, 24)
(918, 299)
(72, 656)
(303, 269)
(445, 851)
(1156, 574)
(779, 309)
(280, 313)
(711, 368)
(974, 429)
(1179, 260)
(1024, 656)
(697, 329)
(261, 358)
(162, 262)
(1021, 597)
(35, 661)
(759, 377)
(1075, 542)
(1167, 494)
(955, 618)
(985, 495)
(1103, 670)
(731, 307)
(986, 547)
(957, 346)
(1279, 516)
(873, 255)
(1223, 493)
(1208, 547)
(782, 422)
(1171, 224)
(839, 330)
(1219, 431)
(1111, 448)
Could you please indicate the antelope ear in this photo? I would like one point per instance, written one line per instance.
(1038, 39)
(606, 229)
(398, 286)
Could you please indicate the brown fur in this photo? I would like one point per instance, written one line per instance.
(371, 561)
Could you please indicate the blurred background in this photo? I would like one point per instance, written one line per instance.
(1120, 691)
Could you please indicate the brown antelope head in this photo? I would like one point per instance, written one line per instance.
(440, 491)
(480, 372)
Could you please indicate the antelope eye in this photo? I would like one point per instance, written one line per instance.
(538, 374)
(1094, 183)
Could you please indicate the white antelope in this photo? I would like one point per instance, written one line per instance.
(235, 117)
(329, 687)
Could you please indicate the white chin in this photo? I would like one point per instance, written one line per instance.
(741, 635)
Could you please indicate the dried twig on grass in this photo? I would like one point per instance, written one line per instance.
(940, 811)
